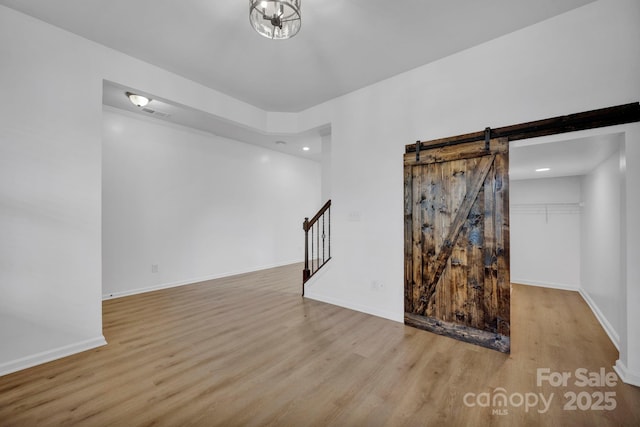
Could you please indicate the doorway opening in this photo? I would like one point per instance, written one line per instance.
(566, 219)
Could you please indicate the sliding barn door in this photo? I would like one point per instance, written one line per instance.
(457, 241)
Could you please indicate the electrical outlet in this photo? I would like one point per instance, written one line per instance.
(355, 216)
(154, 268)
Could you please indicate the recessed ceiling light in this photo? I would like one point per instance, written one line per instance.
(281, 142)
(543, 169)
(306, 148)
(137, 100)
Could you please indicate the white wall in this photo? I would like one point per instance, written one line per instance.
(50, 179)
(49, 192)
(628, 366)
(545, 232)
(585, 59)
(326, 167)
(582, 60)
(559, 66)
(196, 205)
(601, 250)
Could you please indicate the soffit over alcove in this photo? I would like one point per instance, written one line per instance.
(173, 112)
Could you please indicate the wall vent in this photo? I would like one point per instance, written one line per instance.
(156, 112)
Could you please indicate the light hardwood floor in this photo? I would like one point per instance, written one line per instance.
(248, 350)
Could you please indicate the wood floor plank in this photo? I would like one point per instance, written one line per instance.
(249, 351)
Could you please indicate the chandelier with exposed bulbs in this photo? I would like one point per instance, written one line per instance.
(275, 19)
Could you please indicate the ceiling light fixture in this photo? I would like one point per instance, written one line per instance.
(306, 148)
(543, 170)
(275, 19)
(138, 100)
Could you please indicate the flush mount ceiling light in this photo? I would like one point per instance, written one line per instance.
(543, 169)
(275, 19)
(137, 100)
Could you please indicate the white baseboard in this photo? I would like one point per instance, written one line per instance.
(309, 284)
(313, 294)
(356, 307)
(626, 375)
(49, 355)
(113, 295)
(613, 335)
(551, 285)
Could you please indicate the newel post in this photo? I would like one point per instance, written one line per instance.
(305, 273)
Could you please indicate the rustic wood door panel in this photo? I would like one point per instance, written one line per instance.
(457, 242)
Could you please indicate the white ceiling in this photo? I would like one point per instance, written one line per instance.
(342, 46)
(570, 157)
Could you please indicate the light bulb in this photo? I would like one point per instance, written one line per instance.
(138, 100)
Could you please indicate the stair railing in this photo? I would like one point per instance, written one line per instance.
(317, 242)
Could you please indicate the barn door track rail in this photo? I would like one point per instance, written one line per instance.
(610, 116)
